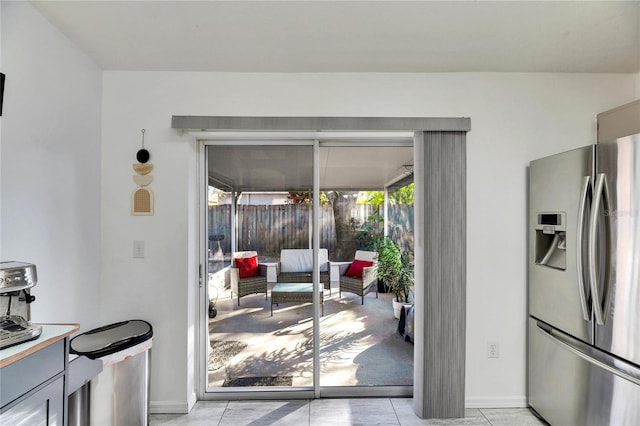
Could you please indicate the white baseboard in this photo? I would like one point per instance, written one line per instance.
(173, 407)
(168, 407)
(193, 398)
(496, 402)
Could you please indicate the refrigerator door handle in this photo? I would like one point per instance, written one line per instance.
(586, 186)
(558, 338)
(601, 192)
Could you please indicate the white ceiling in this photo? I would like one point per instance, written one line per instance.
(368, 36)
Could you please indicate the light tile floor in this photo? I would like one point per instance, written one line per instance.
(335, 412)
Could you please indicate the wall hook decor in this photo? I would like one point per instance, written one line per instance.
(142, 197)
(142, 155)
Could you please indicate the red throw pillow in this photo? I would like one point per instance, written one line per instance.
(247, 266)
(355, 269)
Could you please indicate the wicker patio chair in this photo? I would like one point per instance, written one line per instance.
(364, 284)
(248, 285)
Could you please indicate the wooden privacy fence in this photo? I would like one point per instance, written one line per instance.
(269, 228)
(401, 226)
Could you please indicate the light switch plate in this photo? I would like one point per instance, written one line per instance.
(493, 350)
(138, 249)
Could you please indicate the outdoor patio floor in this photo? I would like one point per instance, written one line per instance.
(359, 344)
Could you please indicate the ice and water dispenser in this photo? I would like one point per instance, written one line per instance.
(551, 236)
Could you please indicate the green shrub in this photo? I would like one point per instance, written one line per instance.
(395, 269)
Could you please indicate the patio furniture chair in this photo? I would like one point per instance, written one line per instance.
(247, 276)
(360, 275)
(296, 266)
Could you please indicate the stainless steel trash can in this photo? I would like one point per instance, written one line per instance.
(80, 373)
(119, 395)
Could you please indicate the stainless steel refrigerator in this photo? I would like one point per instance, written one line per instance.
(584, 285)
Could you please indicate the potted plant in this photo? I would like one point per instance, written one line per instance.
(406, 281)
(396, 270)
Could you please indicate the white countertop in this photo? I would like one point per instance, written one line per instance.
(51, 333)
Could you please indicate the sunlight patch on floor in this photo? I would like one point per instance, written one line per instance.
(359, 345)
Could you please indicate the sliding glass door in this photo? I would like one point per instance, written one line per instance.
(285, 221)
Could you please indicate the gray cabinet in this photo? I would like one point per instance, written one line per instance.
(32, 390)
(43, 406)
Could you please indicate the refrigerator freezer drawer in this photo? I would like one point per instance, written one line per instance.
(568, 387)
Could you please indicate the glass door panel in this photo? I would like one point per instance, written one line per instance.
(359, 341)
(259, 271)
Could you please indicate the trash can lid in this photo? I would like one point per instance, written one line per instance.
(111, 338)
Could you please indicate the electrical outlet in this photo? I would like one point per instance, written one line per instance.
(138, 249)
(493, 350)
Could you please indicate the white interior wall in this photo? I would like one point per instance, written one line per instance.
(1, 69)
(515, 118)
(50, 165)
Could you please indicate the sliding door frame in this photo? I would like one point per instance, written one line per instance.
(316, 390)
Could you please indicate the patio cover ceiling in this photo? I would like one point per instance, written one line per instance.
(354, 166)
(273, 153)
